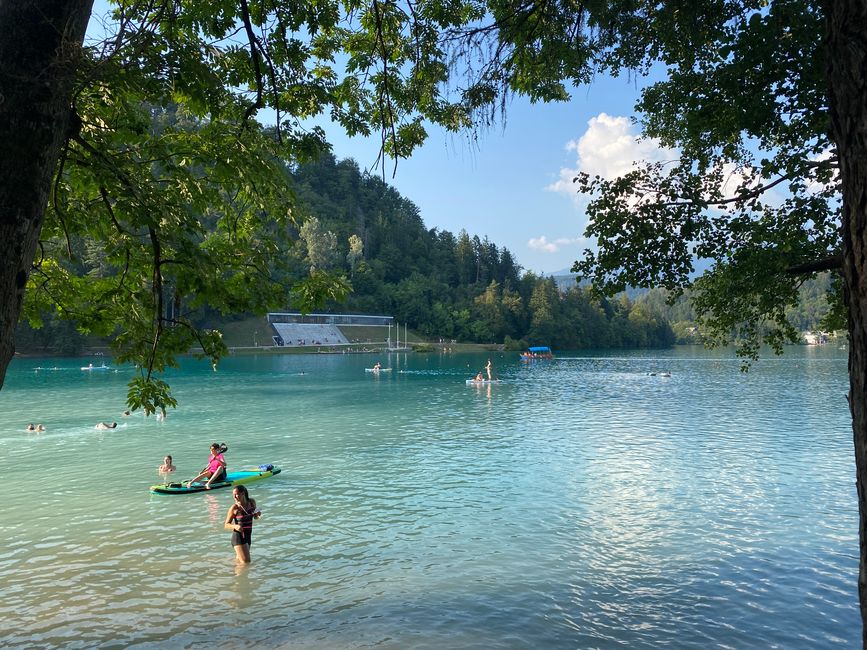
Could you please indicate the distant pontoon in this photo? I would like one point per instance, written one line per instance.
(537, 352)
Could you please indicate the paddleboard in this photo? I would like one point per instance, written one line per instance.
(473, 382)
(94, 367)
(237, 477)
(377, 370)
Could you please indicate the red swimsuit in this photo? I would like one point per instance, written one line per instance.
(243, 517)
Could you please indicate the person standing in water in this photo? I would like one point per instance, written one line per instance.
(488, 370)
(239, 520)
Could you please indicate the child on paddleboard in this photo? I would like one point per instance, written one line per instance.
(216, 469)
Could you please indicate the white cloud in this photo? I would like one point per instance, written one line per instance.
(813, 186)
(542, 244)
(609, 148)
(737, 180)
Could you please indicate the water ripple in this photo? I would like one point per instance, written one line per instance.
(584, 502)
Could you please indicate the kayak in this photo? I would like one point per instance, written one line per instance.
(238, 477)
(474, 382)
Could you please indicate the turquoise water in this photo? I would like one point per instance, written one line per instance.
(579, 503)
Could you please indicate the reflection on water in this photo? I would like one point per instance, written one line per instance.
(588, 501)
(213, 507)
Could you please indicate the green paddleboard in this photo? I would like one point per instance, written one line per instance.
(238, 477)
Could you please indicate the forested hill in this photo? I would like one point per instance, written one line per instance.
(394, 243)
(443, 285)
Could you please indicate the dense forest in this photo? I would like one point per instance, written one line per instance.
(446, 285)
(443, 285)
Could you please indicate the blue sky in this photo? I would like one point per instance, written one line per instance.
(514, 184)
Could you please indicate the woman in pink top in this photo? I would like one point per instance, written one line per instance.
(216, 469)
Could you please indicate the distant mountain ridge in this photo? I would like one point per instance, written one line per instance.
(566, 280)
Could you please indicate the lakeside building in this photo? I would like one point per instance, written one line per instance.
(296, 329)
(815, 338)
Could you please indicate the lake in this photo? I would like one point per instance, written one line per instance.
(583, 502)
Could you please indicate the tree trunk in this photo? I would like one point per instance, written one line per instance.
(847, 63)
(40, 50)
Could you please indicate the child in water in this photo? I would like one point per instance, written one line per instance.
(167, 466)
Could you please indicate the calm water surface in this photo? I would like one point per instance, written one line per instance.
(580, 503)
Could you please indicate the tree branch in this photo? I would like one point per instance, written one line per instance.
(832, 263)
(386, 101)
(158, 297)
(257, 64)
(105, 200)
(57, 209)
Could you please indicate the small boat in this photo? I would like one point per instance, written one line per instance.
(537, 352)
(93, 367)
(238, 477)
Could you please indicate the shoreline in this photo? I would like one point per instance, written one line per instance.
(285, 349)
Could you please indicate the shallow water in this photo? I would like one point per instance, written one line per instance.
(580, 503)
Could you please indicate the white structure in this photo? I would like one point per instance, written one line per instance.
(308, 334)
(295, 329)
(815, 338)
